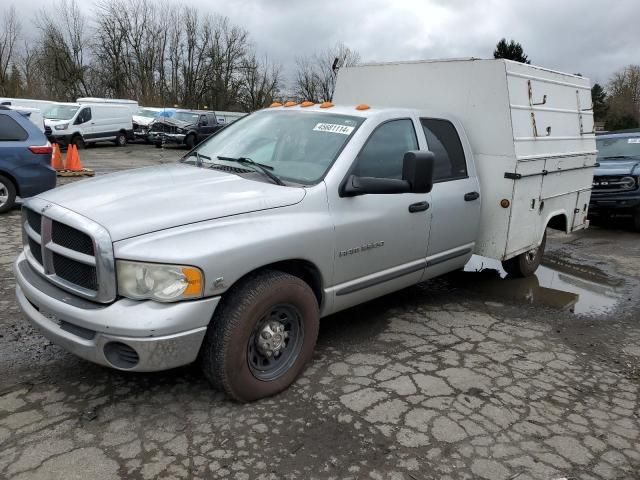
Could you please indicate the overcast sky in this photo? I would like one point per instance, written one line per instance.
(591, 37)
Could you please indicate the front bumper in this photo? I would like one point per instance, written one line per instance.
(614, 202)
(162, 335)
(162, 137)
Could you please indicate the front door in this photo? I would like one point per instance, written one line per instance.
(380, 242)
(456, 200)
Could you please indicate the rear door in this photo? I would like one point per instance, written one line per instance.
(455, 215)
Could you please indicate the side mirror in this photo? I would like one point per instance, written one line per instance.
(417, 169)
(417, 177)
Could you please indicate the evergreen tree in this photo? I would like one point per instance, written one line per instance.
(599, 98)
(511, 50)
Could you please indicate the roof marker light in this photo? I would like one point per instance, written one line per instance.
(275, 104)
(290, 104)
(326, 105)
(307, 104)
(363, 106)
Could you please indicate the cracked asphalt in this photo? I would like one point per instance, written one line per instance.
(446, 380)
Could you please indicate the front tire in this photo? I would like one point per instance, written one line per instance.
(190, 141)
(7, 194)
(525, 264)
(636, 221)
(261, 336)
(79, 142)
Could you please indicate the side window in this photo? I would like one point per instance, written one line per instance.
(84, 116)
(203, 120)
(10, 130)
(383, 153)
(444, 142)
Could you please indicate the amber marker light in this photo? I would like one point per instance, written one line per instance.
(275, 104)
(290, 104)
(194, 282)
(504, 203)
(363, 106)
(326, 105)
(307, 104)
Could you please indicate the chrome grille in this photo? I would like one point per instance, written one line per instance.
(613, 183)
(71, 238)
(75, 272)
(69, 250)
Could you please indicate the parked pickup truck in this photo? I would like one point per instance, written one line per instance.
(616, 182)
(232, 255)
(185, 127)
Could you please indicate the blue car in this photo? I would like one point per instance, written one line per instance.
(616, 182)
(25, 159)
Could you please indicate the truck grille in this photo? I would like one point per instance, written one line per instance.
(613, 184)
(69, 250)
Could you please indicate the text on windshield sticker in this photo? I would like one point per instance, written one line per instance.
(333, 128)
(634, 140)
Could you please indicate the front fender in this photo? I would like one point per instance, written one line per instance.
(229, 248)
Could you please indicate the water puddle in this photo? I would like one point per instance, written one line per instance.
(556, 284)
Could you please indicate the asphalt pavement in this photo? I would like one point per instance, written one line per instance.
(468, 376)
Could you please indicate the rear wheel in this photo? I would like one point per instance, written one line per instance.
(525, 264)
(121, 139)
(7, 194)
(190, 141)
(262, 335)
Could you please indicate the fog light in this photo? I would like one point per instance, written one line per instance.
(121, 355)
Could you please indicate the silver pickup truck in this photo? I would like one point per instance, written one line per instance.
(233, 254)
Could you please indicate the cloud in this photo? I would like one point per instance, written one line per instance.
(586, 36)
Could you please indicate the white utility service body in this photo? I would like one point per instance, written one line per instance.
(530, 129)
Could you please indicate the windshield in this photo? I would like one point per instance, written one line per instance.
(186, 117)
(298, 146)
(61, 112)
(618, 147)
(144, 112)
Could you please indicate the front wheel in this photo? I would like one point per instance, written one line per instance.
(525, 264)
(190, 141)
(261, 336)
(7, 194)
(636, 221)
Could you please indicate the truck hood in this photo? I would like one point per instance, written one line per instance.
(612, 167)
(142, 121)
(149, 199)
(173, 122)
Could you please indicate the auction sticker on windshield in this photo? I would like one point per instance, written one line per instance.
(333, 128)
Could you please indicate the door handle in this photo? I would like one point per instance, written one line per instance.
(471, 196)
(419, 207)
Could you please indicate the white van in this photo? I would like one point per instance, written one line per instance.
(132, 105)
(42, 105)
(84, 124)
(33, 114)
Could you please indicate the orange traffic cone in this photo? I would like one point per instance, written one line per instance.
(73, 159)
(56, 158)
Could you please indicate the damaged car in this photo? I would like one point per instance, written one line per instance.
(185, 127)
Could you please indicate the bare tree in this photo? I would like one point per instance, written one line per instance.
(316, 75)
(624, 98)
(9, 34)
(61, 59)
(260, 82)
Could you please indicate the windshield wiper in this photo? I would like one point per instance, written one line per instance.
(259, 167)
(199, 156)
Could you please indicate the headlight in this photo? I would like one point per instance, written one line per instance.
(628, 183)
(62, 126)
(154, 281)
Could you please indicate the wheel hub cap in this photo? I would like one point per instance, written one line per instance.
(272, 339)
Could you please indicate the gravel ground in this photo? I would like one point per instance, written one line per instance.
(467, 376)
